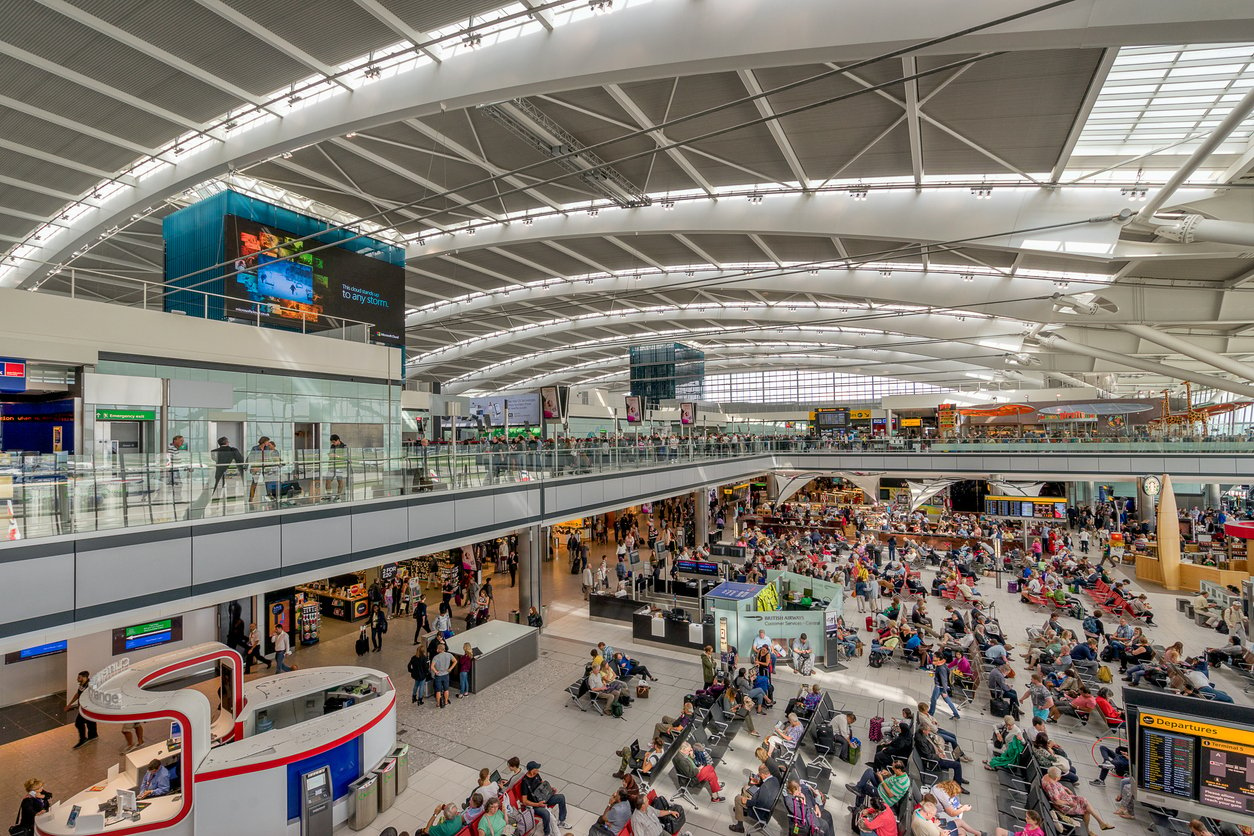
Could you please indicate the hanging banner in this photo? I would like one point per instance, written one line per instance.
(687, 413)
(634, 409)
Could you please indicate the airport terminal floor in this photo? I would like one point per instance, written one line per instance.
(530, 715)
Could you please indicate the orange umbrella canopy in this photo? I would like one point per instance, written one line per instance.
(1222, 408)
(997, 410)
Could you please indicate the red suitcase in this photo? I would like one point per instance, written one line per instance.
(870, 622)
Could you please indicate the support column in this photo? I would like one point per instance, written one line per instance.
(701, 517)
(530, 564)
(1210, 496)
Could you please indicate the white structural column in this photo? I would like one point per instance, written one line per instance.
(701, 516)
(1188, 349)
(530, 566)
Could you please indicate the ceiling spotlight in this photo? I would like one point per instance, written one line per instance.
(982, 193)
(593, 211)
(755, 199)
(858, 193)
(372, 72)
(601, 6)
(230, 126)
(690, 273)
(1135, 193)
(473, 40)
(350, 134)
(1062, 284)
(814, 271)
(470, 230)
(968, 277)
(668, 204)
(528, 220)
(287, 155)
(422, 242)
(884, 271)
(588, 280)
(293, 99)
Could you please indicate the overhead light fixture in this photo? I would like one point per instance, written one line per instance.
(350, 134)
(982, 192)
(372, 72)
(859, 193)
(422, 242)
(601, 7)
(690, 273)
(473, 40)
(470, 230)
(968, 277)
(668, 204)
(293, 100)
(593, 211)
(885, 271)
(1135, 193)
(287, 155)
(814, 271)
(528, 220)
(755, 199)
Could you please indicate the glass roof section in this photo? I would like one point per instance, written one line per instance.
(1158, 97)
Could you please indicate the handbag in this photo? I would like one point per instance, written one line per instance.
(642, 692)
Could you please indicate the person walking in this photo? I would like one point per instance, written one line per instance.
(512, 562)
(420, 617)
(36, 801)
(378, 626)
(254, 650)
(442, 666)
(236, 639)
(224, 456)
(420, 669)
(940, 685)
(263, 462)
(282, 646)
(337, 469)
(86, 728)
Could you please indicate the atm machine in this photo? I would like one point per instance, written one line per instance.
(316, 801)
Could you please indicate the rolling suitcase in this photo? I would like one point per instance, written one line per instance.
(363, 646)
(870, 622)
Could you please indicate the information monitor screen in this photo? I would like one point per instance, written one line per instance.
(305, 284)
(1196, 759)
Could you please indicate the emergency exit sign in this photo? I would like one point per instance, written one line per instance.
(126, 414)
(12, 375)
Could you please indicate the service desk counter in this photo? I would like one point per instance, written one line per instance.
(612, 608)
(1149, 569)
(686, 635)
(503, 647)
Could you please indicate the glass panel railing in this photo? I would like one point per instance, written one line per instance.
(43, 496)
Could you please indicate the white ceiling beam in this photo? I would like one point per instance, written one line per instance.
(64, 162)
(632, 251)
(909, 66)
(480, 161)
(272, 39)
(633, 110)
(126, 38)
(1082, 115)
(750, 81)
(541, 16)
(39, 188)
(97, 86)
(588, 52)
(73, 125)
(384, 15)
(687, 242)
(761, 245)
(1241, 165)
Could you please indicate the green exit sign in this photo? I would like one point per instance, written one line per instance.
(126, 414)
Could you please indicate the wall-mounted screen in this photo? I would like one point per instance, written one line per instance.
(150, 634)
(1195, 758)
(276, 275)
(35, 652)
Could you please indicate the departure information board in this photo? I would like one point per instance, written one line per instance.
(1028, 507)
(1167, 763)
(1227, 778)
(1200, 760)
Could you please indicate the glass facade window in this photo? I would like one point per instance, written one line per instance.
(798, 386)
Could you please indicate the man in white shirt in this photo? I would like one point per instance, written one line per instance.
(844, 735)
(761, 640)
(282, 644)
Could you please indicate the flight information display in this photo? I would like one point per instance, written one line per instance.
(1167, 763)
(1197, 759)
(1227, 777)
(276, 277)
(1026, 507)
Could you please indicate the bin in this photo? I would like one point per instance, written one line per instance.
(386, 773)
(363, 801)
(401, 755)
(515, 617)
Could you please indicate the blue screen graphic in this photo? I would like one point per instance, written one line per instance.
(42, 650)
(148, 640)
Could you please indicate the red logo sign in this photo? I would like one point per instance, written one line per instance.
(14, 369)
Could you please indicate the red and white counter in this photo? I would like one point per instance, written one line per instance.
(236, 765)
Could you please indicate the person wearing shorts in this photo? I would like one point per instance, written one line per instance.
(442, 666)
(1040, 696)
(134, 734)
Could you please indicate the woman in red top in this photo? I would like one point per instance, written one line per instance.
(877, 819)
(464, 663)
(1112, 715)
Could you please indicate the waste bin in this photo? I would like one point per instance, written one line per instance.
(515, 617)
(401, 755)
(363, 800)
(386, 773)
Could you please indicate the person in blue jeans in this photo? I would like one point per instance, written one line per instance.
(464, 663)
(1115, 759)
(530, 787)
(940, 685)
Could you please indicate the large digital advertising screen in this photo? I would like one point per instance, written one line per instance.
(276, 276)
